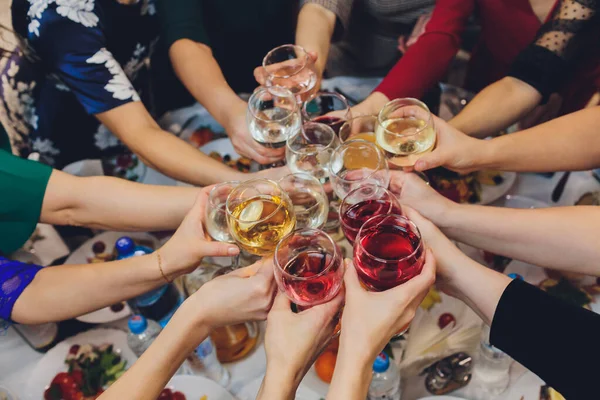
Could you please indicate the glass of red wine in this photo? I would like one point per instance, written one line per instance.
(364, 203)
(388, 252)
(308, 267)
(320, 108)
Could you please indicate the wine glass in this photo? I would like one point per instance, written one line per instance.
(362, 127)
(388, 251)
(273, 116)
(308, 198)
(216, 216)
(259, 214)
(405, 131)
(363, 203)
(319, 107)
(356, 163)
(308, 267)
(309, 150)
(291, 67)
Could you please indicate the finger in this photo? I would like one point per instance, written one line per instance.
(424, 280)
(350, 277)
(281, 303)
(266, 268)
(436, 158)
(219, 249)
(250, 270)
(397, 179)
(314, 56)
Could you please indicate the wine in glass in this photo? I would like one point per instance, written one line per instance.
(216, 217)
(359, 128)
(259, 215)
(308, 198)
(356, 163)
(291, 67)
(319, 109)
(273, 116)
(363, 203)
(308, 267)
(309, 150)
(388, 251)
(405, 131)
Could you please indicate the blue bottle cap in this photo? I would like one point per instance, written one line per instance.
(124, 245)
(382, 363)
(515, 276)
(137, 324)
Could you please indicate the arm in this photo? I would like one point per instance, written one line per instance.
(439, 42)
(115, 204)
(314, 31)
(537, 72)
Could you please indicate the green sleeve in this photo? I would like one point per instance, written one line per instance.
(22, 188)
(181, 19)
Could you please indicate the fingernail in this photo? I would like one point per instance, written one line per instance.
(233, 251)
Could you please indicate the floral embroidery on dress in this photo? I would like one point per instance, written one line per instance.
(148, 7)
(104, 139)
(120, 87)
(45, 147)
(80, 11)
(20, 104)
(136, 62)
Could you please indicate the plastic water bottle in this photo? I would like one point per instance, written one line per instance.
(159, 304)
(492, 367)
(204, 361)
(142, 333)
(386, 380)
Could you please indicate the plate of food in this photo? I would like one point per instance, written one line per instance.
(82, 366)
(189, 387)
(101, 249)
(481, 187)
(222, 150)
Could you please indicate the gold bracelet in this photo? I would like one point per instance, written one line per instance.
(160, 267)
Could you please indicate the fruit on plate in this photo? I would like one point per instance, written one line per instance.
(325, 365)
(446, 319)
(463, 188)
(432, 298)
(168, 394)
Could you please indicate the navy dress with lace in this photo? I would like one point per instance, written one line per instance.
(15, 276)
(76, 58)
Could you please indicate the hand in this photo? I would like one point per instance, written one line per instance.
(274, 174)
(261, 74)
(371, 105)
(190, 243)
(454, 150)
(418, 30)
(236, 127)
(370, 319)
(542, 113)
(294, 340)
(412, 191)
(243, 295)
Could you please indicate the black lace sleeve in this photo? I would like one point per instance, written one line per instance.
(544, 64)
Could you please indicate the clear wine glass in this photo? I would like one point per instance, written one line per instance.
(319, 109)
(216, 216)
(273, 116)
(308, 267)
(365, 202)
(259, 215)
(356, 163)
(291, 67)
(308, 198)
(405, 131)
(362, 127)
(310, 149)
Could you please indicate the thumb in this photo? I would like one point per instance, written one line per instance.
(282, 303)
(431, 160)
(219, 249)
(313, 55)
(350, 277)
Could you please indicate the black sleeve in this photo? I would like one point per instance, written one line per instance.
(544, 63)
(181, 19)
(557, 341)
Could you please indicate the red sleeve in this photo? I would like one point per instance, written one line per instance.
(427, 61)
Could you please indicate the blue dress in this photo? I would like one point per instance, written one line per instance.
(76, 58)
(15, 276)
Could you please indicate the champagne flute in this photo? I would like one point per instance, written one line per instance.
(273, 116)
(405, 131)
(309, 150)
(359, 128)
(291, 67)
(356, 163)
(363, 203)
(308, 198)
(319, 107)
(259, 215)
(308, 267)
(216, 217)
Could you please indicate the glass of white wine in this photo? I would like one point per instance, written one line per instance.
(362, 127)
(405, 131)
(309, 150)
(259, 215)
(308, 198)
(216, 216)
(291, 67)
(356, 163)
(273, 116)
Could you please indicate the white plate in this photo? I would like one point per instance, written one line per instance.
(194, 387)
(250, 391)
(440, 398)
(222, 146)
(53, 361)
(491, 193)
(80, 256)
(526, 388)
(511, 201)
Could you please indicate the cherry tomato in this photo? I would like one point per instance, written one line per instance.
(53, 392)
(445, 320)
(178, 396)
(64, 380)
(74, 349)
(73, 394)
(77, 376)
(166, 394)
